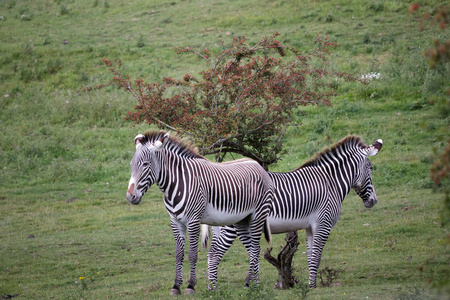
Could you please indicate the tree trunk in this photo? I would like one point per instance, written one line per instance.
(283, 262)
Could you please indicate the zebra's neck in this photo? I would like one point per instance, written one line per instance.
(175, 172)
(340, 167)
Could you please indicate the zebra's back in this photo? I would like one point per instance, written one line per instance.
(231, 191)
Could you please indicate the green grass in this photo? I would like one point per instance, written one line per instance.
(64, 157)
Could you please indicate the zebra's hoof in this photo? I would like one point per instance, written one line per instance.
(175, 292)
(189, 291)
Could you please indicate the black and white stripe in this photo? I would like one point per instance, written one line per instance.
(198, 191)
(310, 197)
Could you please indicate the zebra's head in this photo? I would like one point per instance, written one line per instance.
(363, 184)
(145, 166)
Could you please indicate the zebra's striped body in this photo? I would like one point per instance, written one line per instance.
(199, 191)
(310, 197)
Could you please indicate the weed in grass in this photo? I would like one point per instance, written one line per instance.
(377, 6)
(64, 10)
(26, 17)
(366, 38)
(220, 292)
(258, 291)
(140, 43)
(328, 275)
(302, 289)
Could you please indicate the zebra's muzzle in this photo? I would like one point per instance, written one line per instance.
(131, 193)
(133, 199)
(369, 203)
(131, 196)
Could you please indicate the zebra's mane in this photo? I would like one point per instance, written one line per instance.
(175, 144)
(346, 144)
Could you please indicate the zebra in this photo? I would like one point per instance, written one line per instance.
(311, 196)
(197, 191)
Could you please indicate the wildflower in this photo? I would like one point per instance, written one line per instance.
(81, 278)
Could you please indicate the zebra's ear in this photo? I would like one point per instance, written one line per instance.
(165, 137)
(375, 148)
(159, 143)
(138, 140)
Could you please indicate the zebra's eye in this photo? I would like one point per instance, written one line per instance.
(145, 164)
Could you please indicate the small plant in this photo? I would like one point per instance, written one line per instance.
(25, 17)
(218, 293)
(140, 43)
(328, 275)
(377, 6)
(26, 74)
(258, 291)
(47, 41)
(64, 10)
(302, 289)
(366, 38)
(11, 4)
(53, 66)
(82, 282)
(84, 77)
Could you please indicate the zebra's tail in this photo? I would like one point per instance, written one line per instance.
(205, 235)
(267, 232)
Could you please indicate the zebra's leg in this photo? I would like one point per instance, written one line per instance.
(246, 240)
(219, 245)
(309, 243)
(250, 236)
(256, 225)
(179, 233)
(194, 234)
(320, 237)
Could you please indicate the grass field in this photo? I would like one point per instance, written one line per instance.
(66, 229)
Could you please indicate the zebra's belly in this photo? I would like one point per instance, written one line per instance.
(278, 225)
(213, 216)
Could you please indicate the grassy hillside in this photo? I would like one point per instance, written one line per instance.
(66, 230)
